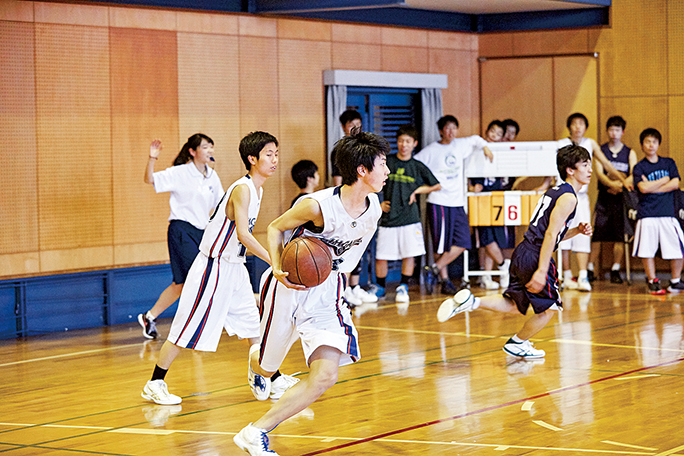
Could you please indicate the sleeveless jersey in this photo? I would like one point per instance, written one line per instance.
(586, 143)
(542, 215)
(220, 237)
(620, 162)
(347, 237)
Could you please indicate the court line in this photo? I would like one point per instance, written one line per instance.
(527, 406)
(66, 355)
(547, 425)
(597, 344)
(610, 442)
(496, 407)
(413, 331)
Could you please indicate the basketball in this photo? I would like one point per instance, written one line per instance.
(307, 260)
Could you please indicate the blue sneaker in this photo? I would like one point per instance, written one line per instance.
(431, 278)
(377, 290)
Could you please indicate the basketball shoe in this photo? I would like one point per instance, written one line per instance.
(462, 301)
(254, 441)
(260, 385)
(522, 349)
(157, 392)
(149, 326)
(281, 384)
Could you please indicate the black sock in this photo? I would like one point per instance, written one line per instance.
(276, 375)
(381, 281)
(404, 279)
(159, 373)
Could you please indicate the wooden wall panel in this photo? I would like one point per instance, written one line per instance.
(575, 90)
(74, 143)
(60, 13)
(302, 109)
(351, 33)
(495, 45)
(144, 82)
(506, 82)
(675, 47)
(675, 132)
(13, 10)
(395, 36)
(639, 48)
(209, 97)
(405, 59)
(354, 56)
(461, 97)
(304, 30)
(551, 42)
(259, 108)
(19, 189)
(207, 23)
(449, 40)
(640, 113)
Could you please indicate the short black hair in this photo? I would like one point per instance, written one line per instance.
(358, 149)
(616, 121)
(577, 115)
(512, 123)
(652, 132)
(496, 123)
(408, 130)
(349, 115)
(253, 143)
(568, 157)
(302, 171)
(441, 123)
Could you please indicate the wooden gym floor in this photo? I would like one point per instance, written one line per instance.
(609, 385)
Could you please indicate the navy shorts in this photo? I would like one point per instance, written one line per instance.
(609, 221)
(524, 263)
(183, 239)
(504, 236)
(449, 227)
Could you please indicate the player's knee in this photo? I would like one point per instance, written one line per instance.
(324, 380)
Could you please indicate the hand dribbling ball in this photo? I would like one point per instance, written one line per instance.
(307, 260)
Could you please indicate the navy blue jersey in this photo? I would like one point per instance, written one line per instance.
(655, 204)
(620, 162)
(493, 184)
(539, 222)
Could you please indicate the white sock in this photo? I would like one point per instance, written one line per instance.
(517, 339)
(616, 267)
(149, 316)
(674, 281)
(476, 303)
(583, 274)
(590, 267)
(567, 274)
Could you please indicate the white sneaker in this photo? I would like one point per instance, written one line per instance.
(504, 278)
(489, 284)
(523, 349)
(260, 385)
(402, 293)
(157, 392)
(570, 284)
(254, 441)
(363, 295)
(351, 298)
(281, 384)
(583, 284)
(461, 302)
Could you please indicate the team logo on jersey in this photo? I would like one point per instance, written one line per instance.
(339, 246)
(252, 222)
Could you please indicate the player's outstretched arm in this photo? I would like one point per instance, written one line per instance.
(155, 149)
(560, 213)
(237, 209)
(307, 210)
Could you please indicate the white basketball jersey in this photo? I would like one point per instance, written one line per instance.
(347, 237)
(220, 237)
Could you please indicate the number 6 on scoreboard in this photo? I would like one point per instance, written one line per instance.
(512, 208)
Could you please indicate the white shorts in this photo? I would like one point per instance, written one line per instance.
(652, 232)
(216, 294)
(318, 316)
(579, 243)
(399, 242)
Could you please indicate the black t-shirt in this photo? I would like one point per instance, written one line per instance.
(655, 204)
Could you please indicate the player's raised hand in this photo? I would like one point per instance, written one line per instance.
(585, 228)
(155, 148)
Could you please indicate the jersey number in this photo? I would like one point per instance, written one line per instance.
(541, 208)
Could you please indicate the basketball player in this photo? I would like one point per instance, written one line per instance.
(345, 218)
(533, 273)
(217, 293)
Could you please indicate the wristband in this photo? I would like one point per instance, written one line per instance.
(153, 158)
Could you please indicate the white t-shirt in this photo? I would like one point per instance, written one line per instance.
(446, 161)
(586, 143)
(193, 196)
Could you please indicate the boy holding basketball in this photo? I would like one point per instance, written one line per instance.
(344, 218)
(533, 273)
(217, 291)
